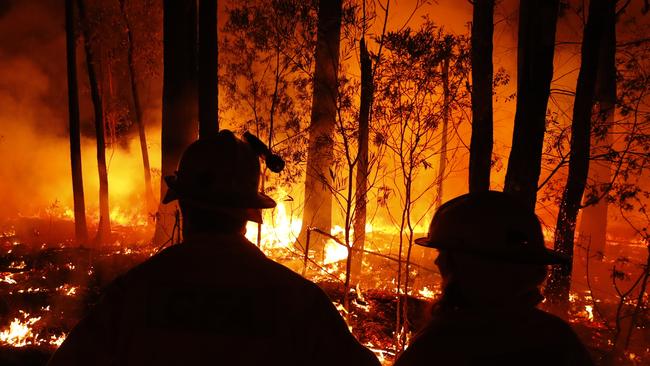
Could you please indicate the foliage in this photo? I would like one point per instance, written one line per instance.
(409, 108)
(266, 66)
(409, 101)
(623, 144)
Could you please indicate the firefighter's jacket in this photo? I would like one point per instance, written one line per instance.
(213, 300)
(504, 337)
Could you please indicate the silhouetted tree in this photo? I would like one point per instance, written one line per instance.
(318, 197)
(267, 52)
(409, 114)
(81, 230)
(559, 284)
(208, 61)
(361, 187)
(536, 46)
(593, 223)
(480, 152)
(137, 109)
(104, 225)
(442, 162)
(180, 105)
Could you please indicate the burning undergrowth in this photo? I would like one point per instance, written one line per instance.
(47, 285)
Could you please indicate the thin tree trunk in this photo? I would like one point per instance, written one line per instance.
(362, 162)
(594, 217)
(480, 152)
(104, 226)
(208, 61)
(318, 180)
(180, 105)
(348, 242)
(536, 46)
(557, 289)
(401, 323)
(81, 229)
(150, 200)
(640, 307)
(445, 125)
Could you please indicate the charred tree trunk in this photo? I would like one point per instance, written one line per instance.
(104, 226)
(480, 152)
(362, 161)
(80, 227)
(559, 283)
(536, 45)
(593, 224)
(137, 109)
(180, 105)
(442, 167)
(208, 61)
(318, 180)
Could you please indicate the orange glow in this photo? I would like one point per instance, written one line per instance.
(38, 203)
(20, 333)
(279, 229)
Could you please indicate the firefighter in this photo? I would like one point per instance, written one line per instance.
(214, 299)
(492, 260)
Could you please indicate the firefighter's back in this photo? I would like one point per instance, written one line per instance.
(218, 301)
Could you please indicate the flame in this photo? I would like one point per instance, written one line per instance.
(57, 340)
(119, 216)
(20, 332)
(428, 293)
(68, 290)
(334, 252)
(279, 229)
(18, 265)
(590, 312)
(9, 233)
(572, 297)
(8, 278)
(123, 217)
(29, 290)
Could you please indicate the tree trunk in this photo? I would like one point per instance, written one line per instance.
(104, 226)
(137, 108)
(81, 229)
(180, 105)
(445, 126)
(593, 224)
(480, 152)
(559, 283)
(536, 45)
(362, 162)
(208, 61)
(318, 195)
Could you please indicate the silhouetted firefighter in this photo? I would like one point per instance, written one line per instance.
(492, 260)
(215, 298)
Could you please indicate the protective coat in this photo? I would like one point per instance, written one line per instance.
(503, 336)
(212, 301)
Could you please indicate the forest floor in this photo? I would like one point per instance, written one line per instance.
(46, 286)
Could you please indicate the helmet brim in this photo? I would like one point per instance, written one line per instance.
(256, 201)
(523, 256)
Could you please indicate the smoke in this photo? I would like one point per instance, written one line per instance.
(34, 147)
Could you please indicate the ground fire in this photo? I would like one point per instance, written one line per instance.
(380, 112)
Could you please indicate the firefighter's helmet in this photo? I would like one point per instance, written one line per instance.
(220, 172)
(492, 225)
